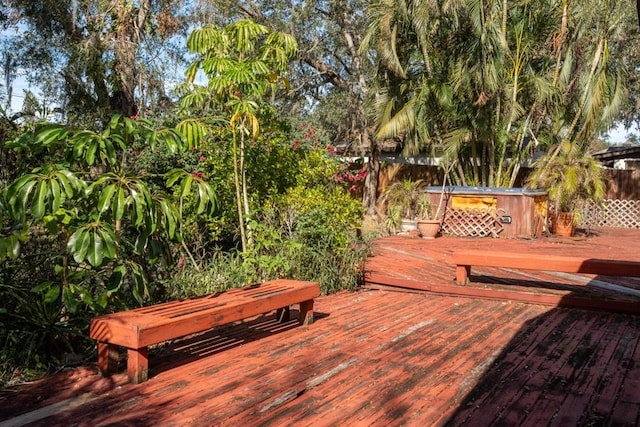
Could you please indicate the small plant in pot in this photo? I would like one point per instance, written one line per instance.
(401, 200)
(570, 176)
(428, 225)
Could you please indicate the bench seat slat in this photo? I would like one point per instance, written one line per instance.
(232, 294)
(205, 301)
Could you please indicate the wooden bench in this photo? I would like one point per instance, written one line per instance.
(139, 328)
(528, 261)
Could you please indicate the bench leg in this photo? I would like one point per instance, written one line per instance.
(107, 358)
(306, 312)
(138, 365)
(463, 272)
(283, 314)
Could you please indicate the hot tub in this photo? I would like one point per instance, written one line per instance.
(517, 212)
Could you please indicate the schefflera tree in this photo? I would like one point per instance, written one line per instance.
(244, 64)
(107, 227)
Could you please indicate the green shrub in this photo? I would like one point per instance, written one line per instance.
(73, 245)
(84, 232)
(309, 231)
(224, 270)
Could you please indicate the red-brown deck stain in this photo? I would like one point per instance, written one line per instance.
(394, 356)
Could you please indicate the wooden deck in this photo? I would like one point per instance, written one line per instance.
(404, 263)
(395, 355)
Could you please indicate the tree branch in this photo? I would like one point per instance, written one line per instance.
(329, 74)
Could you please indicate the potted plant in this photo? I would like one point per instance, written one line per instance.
(428, 225)
(401, 201)
(570, 176)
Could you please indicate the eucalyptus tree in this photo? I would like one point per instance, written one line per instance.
(95, 57)
(486, 82)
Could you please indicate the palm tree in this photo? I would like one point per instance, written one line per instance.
(402, 34)
(488, 80)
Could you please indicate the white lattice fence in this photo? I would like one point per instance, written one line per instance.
(472, 222)
(611, 213)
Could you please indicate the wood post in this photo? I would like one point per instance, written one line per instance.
(107, 358)
(463, 272)
(138, 365)
(306, 312)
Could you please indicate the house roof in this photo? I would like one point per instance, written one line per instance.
(611, 154)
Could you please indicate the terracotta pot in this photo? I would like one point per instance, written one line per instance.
(429, 228)
(563, 224)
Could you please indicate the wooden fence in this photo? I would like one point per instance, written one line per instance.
(615, 213)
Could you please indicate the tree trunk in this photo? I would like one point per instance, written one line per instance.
(127, 39)
(370, 191)
(236, 182)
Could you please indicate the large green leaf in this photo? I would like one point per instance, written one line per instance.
(90, 156)
(9, 246)
(136, 198)
(69, 299)
(114, 122)
(119, 205)
(37, 205)
(108, 151)
(18, 194)
(56, 195)
(174, 175)
(96, 250)
(193, 131)
(70, 182)
(43, 193)
(52, 294)
(109, 241)
(104, 203)
(185, 185)
(191, 71)
(78, 244)
(50, 291)
(173, 141)
(207, 197)
(170, 215)
(139, 288)
(51, 133)
(203, 39)
(116, 279)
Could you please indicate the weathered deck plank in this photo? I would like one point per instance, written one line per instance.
(379, 358)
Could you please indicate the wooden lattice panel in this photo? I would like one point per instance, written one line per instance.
(472, 223)
(611, 213)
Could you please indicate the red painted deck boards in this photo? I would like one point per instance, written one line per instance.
(388, 357)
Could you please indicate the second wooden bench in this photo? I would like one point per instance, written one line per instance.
(528, 261)
(137, 329)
